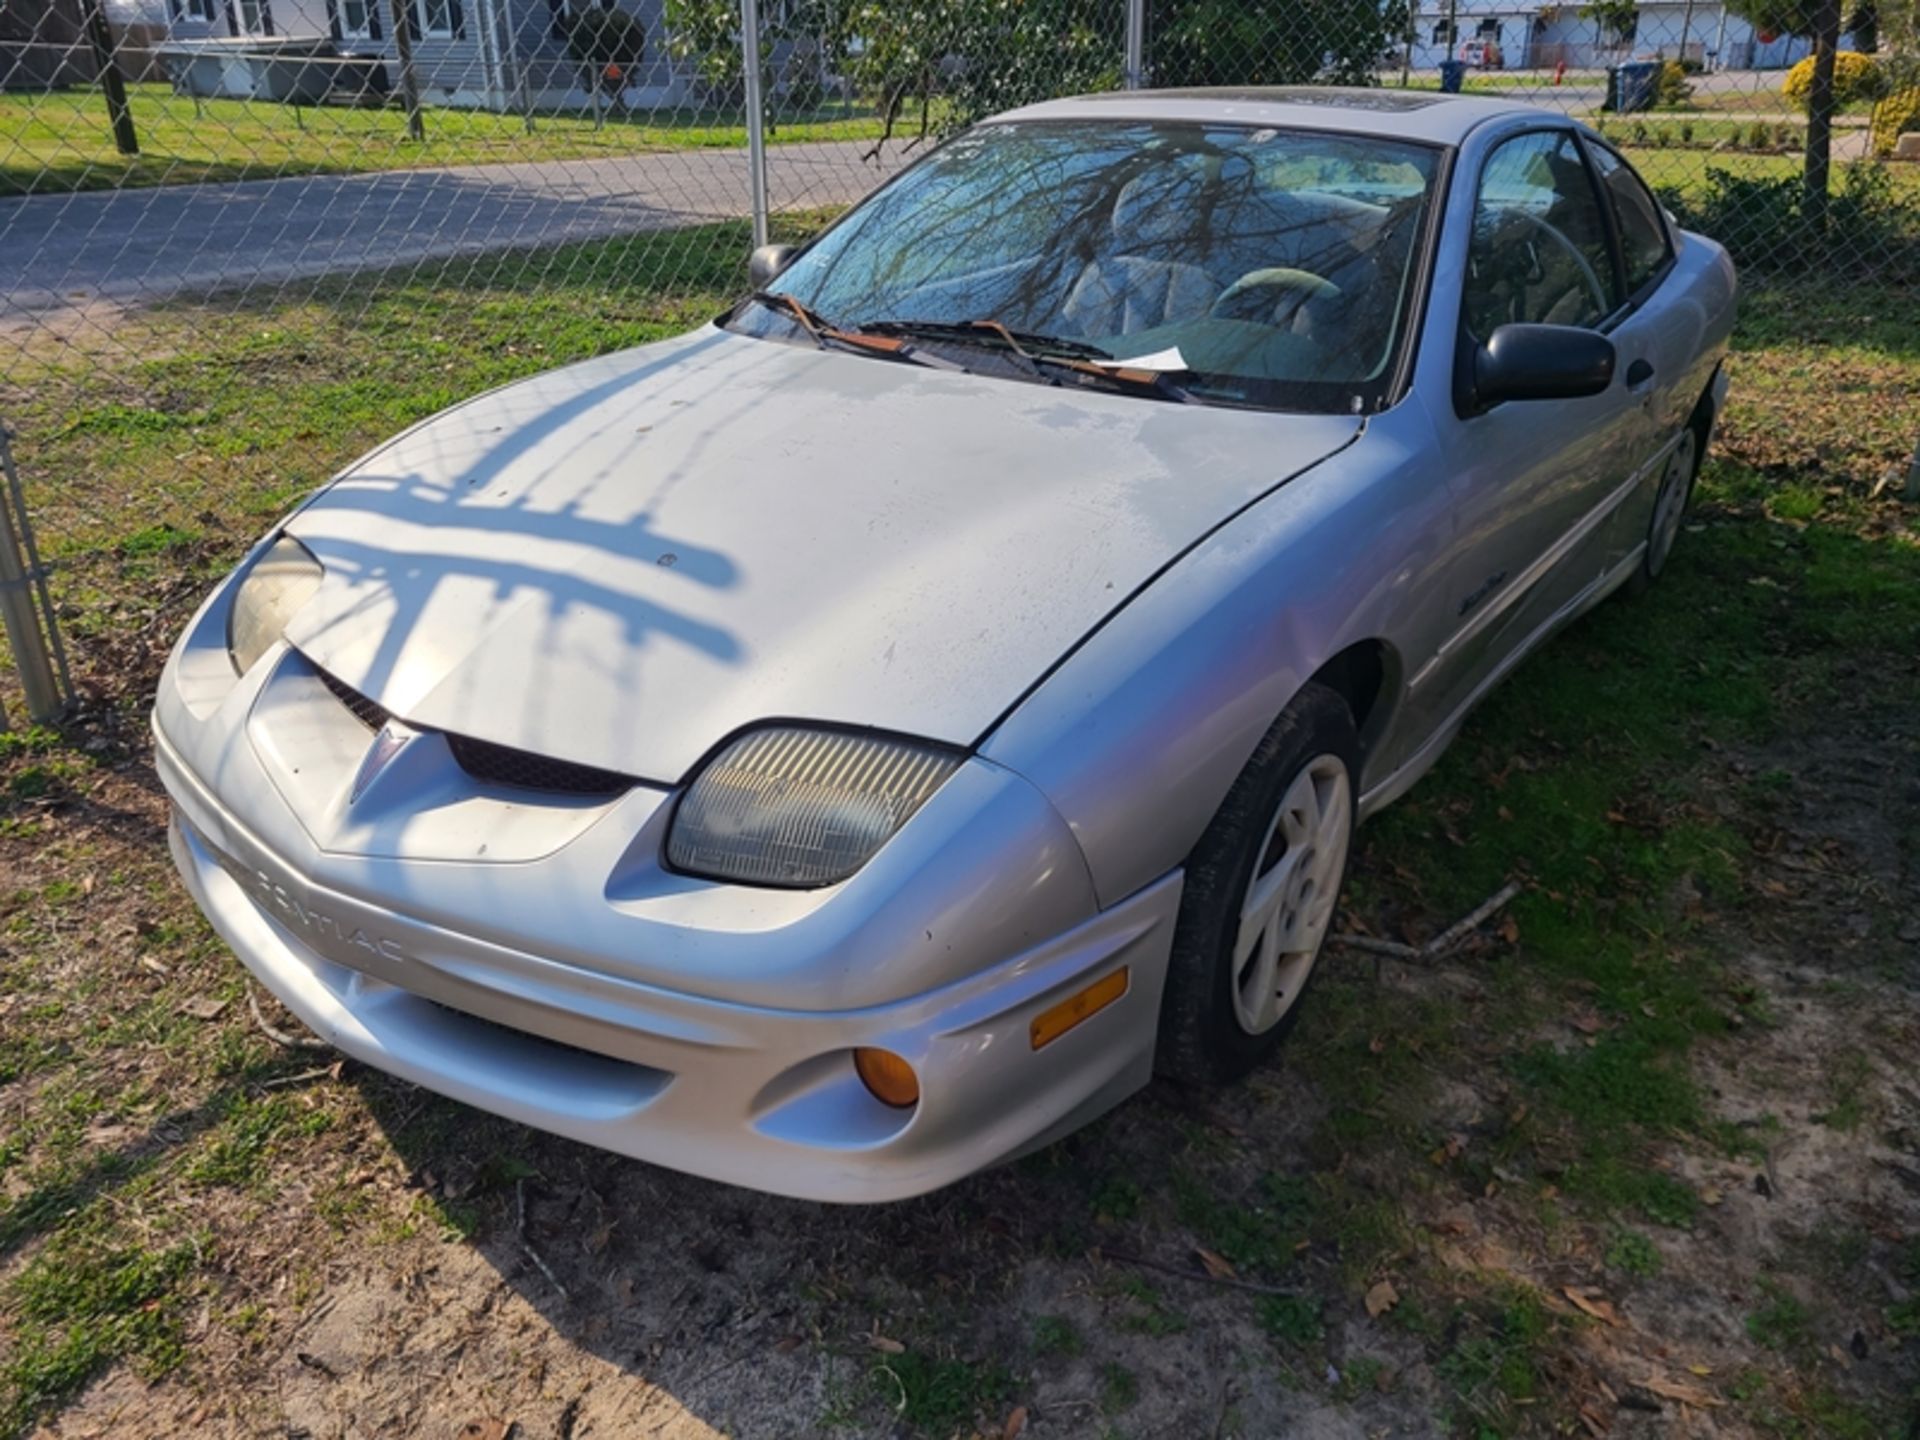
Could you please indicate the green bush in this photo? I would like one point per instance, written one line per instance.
(1896, 115)
(1670, 87)
(1856, 77)
(1763, 221)
(597, 39)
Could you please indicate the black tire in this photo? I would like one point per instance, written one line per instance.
(1653, 559)
(1201, 1039)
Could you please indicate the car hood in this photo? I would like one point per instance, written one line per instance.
(622, 562)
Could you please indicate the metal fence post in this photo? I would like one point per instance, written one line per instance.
(756, 117)
(1136, 44)
(22, 582)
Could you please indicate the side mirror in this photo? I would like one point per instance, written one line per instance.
(767, 261)
(1540, 362)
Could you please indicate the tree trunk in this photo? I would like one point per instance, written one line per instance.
(1826, 41)
(409, 78)
(112, 85)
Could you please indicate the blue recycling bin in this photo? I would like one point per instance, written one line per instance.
(1452, 74)
(1632, 86)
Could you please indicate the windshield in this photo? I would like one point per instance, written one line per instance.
(1266, 267)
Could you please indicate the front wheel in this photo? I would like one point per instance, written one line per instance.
(1260, 892)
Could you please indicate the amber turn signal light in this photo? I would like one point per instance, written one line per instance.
(1049, 1025)
(890, 1078)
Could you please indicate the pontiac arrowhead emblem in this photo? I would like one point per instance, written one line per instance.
(392, 739)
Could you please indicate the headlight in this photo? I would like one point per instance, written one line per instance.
(799, 808)
(273, 589)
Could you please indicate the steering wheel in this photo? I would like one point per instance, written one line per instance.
(1585, 266)
(1259, 295)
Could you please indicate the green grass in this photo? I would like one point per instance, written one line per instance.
(938, 1394)
(87, 1300)
(58, 142)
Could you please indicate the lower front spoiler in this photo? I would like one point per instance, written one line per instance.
(755, 1097)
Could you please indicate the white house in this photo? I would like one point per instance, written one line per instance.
(1543, 36)
(488, 54)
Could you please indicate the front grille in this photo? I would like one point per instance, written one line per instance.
(504, 765)
(496, 764)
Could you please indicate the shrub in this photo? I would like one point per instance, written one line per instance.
(1762, 221)
(1670, 87)
(1856, 77)
(599, 38)
(1895, 116)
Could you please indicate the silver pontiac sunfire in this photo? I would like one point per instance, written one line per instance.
(865, 738)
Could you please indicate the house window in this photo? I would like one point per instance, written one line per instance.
(438, 18)
(357, 19)
(256, 17)
(1488, 30)
(193, 10)
(1443, 33)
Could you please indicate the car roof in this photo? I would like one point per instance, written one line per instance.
(1408, 114)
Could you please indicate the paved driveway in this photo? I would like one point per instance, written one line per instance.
(154, 244)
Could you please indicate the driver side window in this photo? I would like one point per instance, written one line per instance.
(1539, 252)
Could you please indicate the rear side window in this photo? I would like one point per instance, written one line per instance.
(1644, 246)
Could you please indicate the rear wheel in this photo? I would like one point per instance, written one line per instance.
(1260, 893)
(1669, 506)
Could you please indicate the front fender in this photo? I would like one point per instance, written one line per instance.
(1136, 737)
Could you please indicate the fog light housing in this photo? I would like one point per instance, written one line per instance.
(887, 1077)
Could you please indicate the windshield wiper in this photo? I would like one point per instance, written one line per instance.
(826, 335)
(1041, 354)
(990, 332)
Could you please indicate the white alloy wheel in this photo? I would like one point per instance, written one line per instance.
(1289, 901)
(1670, 504)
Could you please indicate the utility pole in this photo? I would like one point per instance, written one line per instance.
(409, 82)
(100, 37)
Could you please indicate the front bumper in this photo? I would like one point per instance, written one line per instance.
(753, 1094)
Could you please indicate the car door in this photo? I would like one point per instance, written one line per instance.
(1655, 347)
(1534, 481)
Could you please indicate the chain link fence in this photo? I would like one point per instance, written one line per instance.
(243, 240)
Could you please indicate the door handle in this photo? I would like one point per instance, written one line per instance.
(1639, 376)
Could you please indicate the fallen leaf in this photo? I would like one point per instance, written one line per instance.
(885, 1346)
(1594, 1304)
(1016, 1425)
(1215, 1265)
(203, 1007)
(491, 1428)
(1701, 1369)
(1377, 1045)
(1685, 1394)
(1381, 1298)
(1588, 1022)
(1510, 930)
(1710, 1195)
(787, 1344)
